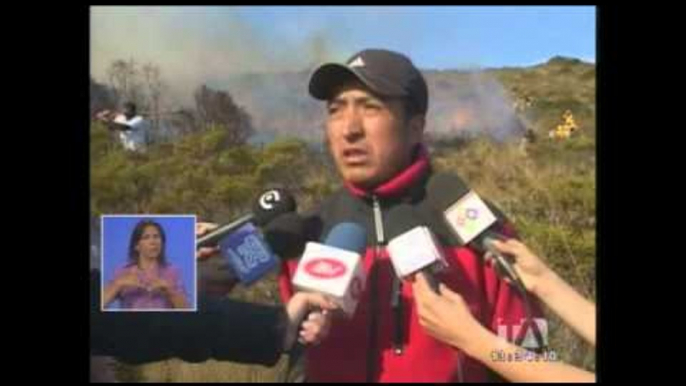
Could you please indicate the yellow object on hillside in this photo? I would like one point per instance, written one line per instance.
(566, 129)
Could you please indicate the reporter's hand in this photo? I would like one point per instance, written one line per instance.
(201, 229)
(317, 326)
(446, 317)
(530, 267)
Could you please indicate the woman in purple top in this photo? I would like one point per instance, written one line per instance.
(147, 281)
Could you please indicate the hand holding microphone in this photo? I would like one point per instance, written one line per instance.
(308, 326)
(335, 267)
(575, 310)
(201, 229)
(239, 251)
(527, 265)
(413, 247)
(446, 317)
(269, 205)
(471, 220)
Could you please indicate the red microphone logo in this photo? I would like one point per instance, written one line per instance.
(325, 268)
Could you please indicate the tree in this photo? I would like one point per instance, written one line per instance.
(101, 97)
(154, 87)
(123, 77)
(217, 108)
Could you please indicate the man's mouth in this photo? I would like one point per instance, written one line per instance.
(353, 156)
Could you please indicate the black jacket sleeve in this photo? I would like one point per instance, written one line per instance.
(221, 329)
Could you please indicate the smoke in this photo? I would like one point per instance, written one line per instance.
(471, 103)
(267, 75)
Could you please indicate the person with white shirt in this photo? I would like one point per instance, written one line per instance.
(131, 127)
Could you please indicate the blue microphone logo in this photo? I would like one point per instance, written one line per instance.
(248, 255)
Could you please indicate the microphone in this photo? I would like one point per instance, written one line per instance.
(285, 237)
(413, 246)
(245, 254)
(470, 219)
(473, 222)
(335, 267)
(288, 233)
(269, 205)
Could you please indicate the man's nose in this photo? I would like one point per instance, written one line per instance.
(353, 125)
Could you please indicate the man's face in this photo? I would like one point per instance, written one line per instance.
(369, 138)
(129, 112)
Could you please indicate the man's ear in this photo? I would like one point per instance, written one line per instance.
(416, 127)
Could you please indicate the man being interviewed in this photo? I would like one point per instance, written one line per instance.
(376, 107)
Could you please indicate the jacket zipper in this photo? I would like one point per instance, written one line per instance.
(373, 306)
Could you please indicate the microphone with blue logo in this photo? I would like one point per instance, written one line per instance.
(245, 253)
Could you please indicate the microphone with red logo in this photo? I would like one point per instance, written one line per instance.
(335, 267)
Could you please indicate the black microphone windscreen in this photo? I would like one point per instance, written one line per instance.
(401, 219)
(286, 235)
(271, 204)
(443, 189)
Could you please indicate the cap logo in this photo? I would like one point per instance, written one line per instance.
(357, 62)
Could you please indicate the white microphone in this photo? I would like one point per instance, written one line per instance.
(415, 247)
(335, 267)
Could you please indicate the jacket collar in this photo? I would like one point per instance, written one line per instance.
(401, 182)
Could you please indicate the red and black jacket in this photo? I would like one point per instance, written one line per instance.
(383, 341)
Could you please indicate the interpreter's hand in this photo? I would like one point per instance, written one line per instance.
(317, 326)
(446, 317)
(129, 279)
(159, 285)
(528, 266)
(201, 229)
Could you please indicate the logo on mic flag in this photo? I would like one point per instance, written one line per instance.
(469, 216)
(325, 268)
(247, 253)
(269, 198)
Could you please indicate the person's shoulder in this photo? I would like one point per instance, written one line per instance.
(123, 269)
(137, 122)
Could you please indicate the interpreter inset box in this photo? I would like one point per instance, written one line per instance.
(148, 263)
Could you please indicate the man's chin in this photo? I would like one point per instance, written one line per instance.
(362, 179)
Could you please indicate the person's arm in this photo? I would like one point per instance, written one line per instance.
(448, 318)
(122, 278)
(111, 292)
(221, 329)
(576, 311)
(172, 288)
(178, 300)
(111, 121)
(116, 126)
(519, 365)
